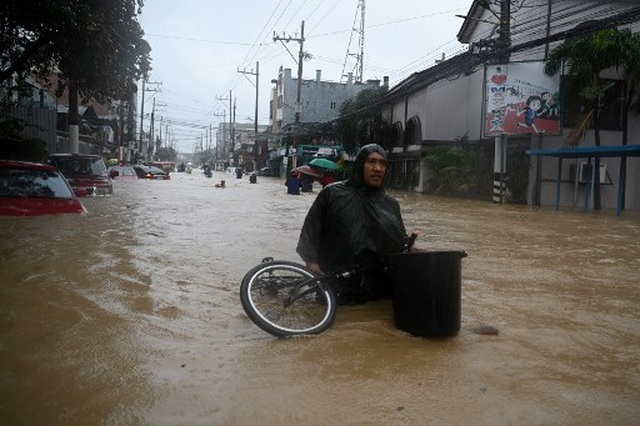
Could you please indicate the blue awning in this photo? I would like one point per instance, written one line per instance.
(590, 152)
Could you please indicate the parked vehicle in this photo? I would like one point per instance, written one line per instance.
(122, 173)
(167, 166)
(34, 189)
(149, 172)
(84, 171)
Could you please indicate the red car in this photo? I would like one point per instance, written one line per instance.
(33, 189)
(85, 171)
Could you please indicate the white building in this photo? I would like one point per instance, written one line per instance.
(453, 98)
(320, 101)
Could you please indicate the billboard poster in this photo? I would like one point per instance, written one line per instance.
(521, 99)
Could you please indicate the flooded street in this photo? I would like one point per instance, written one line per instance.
(130, 315)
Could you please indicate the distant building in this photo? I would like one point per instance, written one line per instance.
(246, 149)
(320, 101)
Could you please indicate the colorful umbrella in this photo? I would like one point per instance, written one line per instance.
(307, 170)
(324, 163)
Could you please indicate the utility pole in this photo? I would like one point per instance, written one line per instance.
(504, 30)
(301, 55)
(144, 89)
(233, 131)
(500, 183)
(224, 119)
(300, 61)
(255, 123)
(257, 76)
(152, 131)
(231, 141)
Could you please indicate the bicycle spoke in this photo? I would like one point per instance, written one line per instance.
(286, 299)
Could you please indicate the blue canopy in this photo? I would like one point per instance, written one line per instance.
(590, 152)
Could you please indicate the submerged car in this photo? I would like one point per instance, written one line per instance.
(122, 173)
(34, 189)
(84, 171)
(150, 172)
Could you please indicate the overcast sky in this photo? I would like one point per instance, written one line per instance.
(199, 45)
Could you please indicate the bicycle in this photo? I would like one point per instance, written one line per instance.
(286, 299)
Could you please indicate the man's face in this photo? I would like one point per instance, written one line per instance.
(375, 167)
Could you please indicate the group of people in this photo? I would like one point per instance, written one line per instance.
(354, 222)
(297, 181)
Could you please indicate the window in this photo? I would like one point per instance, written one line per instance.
(572, 104)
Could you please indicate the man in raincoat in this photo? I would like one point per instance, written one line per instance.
(353, 223)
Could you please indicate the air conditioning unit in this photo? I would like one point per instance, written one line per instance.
(584, 174)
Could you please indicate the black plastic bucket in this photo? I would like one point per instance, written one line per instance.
(426, 291)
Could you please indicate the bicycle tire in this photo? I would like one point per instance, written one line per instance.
(265, 294)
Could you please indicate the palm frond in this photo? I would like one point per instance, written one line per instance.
(580, 128)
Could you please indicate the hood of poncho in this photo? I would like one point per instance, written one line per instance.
(356, 180)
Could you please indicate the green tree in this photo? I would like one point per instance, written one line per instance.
(167, 154)
(583, 59)
(358, 123)
(94, 47)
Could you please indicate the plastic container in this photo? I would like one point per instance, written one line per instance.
(426, 292)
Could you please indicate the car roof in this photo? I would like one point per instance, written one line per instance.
(142, 166)
(16, 164)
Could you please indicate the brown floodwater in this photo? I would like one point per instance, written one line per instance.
(131, 315)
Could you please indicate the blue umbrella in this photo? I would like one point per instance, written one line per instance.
(324, 163)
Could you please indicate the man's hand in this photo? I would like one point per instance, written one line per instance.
(315, 268)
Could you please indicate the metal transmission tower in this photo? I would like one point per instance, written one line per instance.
(359, 65)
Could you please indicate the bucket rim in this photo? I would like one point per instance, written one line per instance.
(459, 253)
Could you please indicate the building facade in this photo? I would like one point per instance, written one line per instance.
(453, 99)
(320, 101)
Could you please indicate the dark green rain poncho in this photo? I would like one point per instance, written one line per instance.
(350, 223)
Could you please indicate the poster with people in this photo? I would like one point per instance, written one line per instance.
(521, 99)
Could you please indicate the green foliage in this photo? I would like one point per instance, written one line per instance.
(460, 169)
(98, 44)
(167, 154)
(358, 122)
(583, 58)
(452, 169)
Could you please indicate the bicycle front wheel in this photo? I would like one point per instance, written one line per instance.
(286, 299)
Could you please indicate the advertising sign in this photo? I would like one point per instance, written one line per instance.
(521, 99)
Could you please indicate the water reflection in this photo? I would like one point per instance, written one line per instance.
(130, 315)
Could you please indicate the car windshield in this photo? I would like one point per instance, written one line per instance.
(23, 183)
(78, 166)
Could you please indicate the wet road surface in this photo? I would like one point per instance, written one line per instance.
(131, 315)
